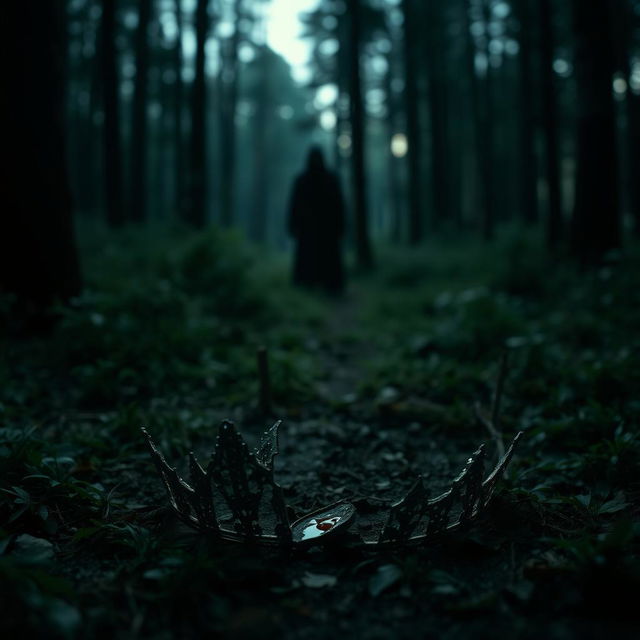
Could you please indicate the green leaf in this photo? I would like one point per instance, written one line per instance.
(618, 503)
(33, 550)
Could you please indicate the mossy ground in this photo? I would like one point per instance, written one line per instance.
(373, 388)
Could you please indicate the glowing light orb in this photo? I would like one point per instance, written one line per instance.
(620, 86)
(344, 142)
(399, 145)
(328, 120)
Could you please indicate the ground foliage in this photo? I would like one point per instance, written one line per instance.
(373, 388)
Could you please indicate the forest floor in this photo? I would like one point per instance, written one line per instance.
(373, 388)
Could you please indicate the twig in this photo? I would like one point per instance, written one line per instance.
(497, 396)
(495, 434)
(491, 423)
(264, 400)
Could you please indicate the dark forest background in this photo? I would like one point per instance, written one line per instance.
(489, 154)
(442, 118)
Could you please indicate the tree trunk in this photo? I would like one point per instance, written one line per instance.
(363, 246)
(527, 154)
(483, 153)
(138, 204)
(265, 104)
(596, 221)
(413, 125)
(633, 137)
(111, 128)
(627, 23)
(549, 117)
(485, 141)
(178, 127)
(37, 246)
(195, 213)
(437, 114)
(394, 179)
(229, 99)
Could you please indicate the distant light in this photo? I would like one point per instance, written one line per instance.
(562, 67)
(246, 53)
(329, 22)
(477, 29)
(325, 96)
(634, 80)
(329, 47)
(496, 29)
(496, 47)
(344, 142)
(619, 85)
(189, 42)
(154, 110)
(225, 29)
(384, 45)
(511, 47)
(285, 111)
(379, 64)
(128, 69)
(501, 10)
(302, 75)
(126, 88)
(481, 63)
(328, 121)
(130, 20)
(399, 145)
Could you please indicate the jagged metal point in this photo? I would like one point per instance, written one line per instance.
(237, 498)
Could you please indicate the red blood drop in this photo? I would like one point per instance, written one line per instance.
(324, 526)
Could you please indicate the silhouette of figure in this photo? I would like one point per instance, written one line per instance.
(316, 221)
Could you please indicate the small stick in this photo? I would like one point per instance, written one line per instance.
(265, 384)
(495, 434)
(497, 396)
(491, 422)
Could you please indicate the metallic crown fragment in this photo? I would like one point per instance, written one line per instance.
(237, 499)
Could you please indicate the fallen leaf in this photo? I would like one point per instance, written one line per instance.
(318, 580)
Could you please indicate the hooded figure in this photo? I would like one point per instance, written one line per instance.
(316, 221)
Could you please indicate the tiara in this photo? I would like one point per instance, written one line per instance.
(237, 499)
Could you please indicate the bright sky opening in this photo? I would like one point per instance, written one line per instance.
(284, 29)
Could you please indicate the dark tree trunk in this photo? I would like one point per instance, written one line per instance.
(363, 246)
(437, 106)
(550, 125)
(265, 103)
(633, 137)
(596, 221)
(195, 213)
(527, 121)
(394, 179)
(178, 127)
(138, 204)
(483, 142)
(111, 129)
(486, 155)
(409, 8)
(228, 103)
(82, 143)
(627, 23)
(39, 260)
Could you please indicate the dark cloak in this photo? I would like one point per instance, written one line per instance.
(316, 221)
